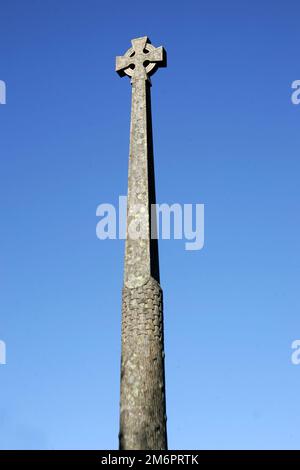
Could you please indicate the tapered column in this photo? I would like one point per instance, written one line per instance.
(137, 269)
(142, 401)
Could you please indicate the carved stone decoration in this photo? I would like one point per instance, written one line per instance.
(142, 403)
(142, 413)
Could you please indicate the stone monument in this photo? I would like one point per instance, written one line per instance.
(142, 401)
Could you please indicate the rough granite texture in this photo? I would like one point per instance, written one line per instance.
(143, 414)
(142, 403)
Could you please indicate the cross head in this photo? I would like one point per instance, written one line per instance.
(141, 60)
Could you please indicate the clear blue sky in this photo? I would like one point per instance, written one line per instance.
(226, 135)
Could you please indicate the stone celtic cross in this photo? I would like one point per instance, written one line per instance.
(142, 401)
(140, 60)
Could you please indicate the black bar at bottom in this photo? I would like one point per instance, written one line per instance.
(132, 459)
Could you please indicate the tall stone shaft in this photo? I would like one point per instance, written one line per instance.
(142, 401)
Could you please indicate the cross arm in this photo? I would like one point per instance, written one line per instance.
(122, 62)
(157, 55)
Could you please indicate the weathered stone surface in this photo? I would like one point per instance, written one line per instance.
(132, 63)
(143, 414)
(142, 406)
